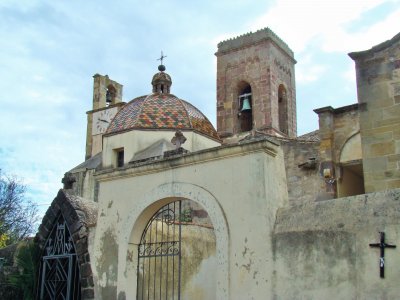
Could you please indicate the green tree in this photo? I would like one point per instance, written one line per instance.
(18, 215)
(24, 279)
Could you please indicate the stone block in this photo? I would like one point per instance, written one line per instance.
(380, 149)
(375, 138)
(396, 133)
(86, 270)
(391, 112)
(397, 146)
(81, 246)
(87, 294)
(228, 105)
(373, 164)
(393, 184)
(380, 130)
(387, 122)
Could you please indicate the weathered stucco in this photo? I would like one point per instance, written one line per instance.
(242, 246)
(136, 140)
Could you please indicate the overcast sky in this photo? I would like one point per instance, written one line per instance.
(49, 51)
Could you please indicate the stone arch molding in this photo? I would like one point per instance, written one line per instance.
(351, 148)
(141, 212)
(80, 214)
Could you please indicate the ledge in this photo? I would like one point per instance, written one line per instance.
(217, 153)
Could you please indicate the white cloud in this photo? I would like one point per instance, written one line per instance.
(301, 21)
(339, 39)
(307, 71)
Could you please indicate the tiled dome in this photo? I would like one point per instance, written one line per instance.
(161, 111)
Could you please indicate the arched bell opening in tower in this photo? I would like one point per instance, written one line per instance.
(283, 109)
(110, 95)
(245, 113)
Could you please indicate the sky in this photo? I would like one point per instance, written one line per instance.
(49, 51)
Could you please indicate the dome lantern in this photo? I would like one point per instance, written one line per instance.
(161, 81)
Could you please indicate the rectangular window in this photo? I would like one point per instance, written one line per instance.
(120, 157)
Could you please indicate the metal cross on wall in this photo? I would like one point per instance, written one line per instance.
(382, 245)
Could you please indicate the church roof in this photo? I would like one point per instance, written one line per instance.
(161, 111)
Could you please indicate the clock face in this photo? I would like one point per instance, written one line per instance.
(102, 119)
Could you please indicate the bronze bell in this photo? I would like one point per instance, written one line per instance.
(246, 105)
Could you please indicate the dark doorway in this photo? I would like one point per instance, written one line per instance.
(59, 270)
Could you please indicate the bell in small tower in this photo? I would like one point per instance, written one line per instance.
(246, 104)
(108, 97)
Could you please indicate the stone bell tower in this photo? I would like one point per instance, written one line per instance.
(107, 101)
(256, 85)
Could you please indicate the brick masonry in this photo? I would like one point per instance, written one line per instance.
(265, 62)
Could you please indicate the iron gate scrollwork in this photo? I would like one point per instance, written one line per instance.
(59, 278)
(159, 255)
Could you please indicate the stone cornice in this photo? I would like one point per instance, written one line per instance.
(251, 39)
(200, 157)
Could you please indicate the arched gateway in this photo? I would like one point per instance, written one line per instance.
(147, 217)
(160, 255)
(176, 254)
(65, 270)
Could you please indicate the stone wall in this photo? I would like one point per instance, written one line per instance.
(80, 215)
(378, 87)
(337, 127)
(302, 163)
(323, 249)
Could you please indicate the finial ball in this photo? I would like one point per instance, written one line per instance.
(161, 68)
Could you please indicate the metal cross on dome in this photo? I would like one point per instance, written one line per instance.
(162, 57)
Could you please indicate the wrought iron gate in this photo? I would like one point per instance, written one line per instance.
(159, 255)
(59, 278)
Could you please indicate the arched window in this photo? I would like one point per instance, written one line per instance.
(282, 109)
(110, 95)
(245, 107)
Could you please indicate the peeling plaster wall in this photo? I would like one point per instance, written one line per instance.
(242, 213)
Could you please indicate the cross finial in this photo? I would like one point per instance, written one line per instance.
(162, 57)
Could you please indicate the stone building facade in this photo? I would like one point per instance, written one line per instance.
(378, 86)
(258, 67)
(266, 214)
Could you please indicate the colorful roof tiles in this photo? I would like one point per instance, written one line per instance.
(161, 111)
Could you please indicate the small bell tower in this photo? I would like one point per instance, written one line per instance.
(106, 92)
(107, 101)
(256, 85)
